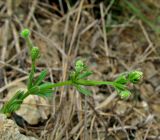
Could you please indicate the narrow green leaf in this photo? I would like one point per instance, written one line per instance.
(84, 75)
(14, 103)
(40, 78)
(31, 76)
(34, 90)
(14, 106)
(119, 86)
(83, 90)
(45, 86)
(45, 93)
(121, 79)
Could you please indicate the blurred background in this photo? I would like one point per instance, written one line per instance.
(112, 36)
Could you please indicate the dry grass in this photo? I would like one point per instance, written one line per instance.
(78, 34)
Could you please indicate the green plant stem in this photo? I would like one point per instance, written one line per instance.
(31, 75)
(59, 84)
(93, 83)
(79, 82)
(49, 86)
(70, 83)
(29, 43)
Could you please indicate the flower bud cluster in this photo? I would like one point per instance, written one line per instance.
(132, 77)
(35, 53)
(79, 66)
(135, 76)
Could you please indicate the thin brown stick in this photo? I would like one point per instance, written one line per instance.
(32, 9)
(104, 31)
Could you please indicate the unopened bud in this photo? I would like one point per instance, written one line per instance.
(124, 94)
(25, 33)
(34, 53)
(79, 66)
(135, 76)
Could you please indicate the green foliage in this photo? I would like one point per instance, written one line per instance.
(121, 79)
(121, 82)
(84, 74)
(14, 103)
(45, 93)
(40, 78)
(78, 79)
(83, 90)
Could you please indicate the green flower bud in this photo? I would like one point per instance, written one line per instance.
(72, 75)
(34, 53)
(25, 33)
(121, 79)
(135, 76)
(79, 66)
(124, 94)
